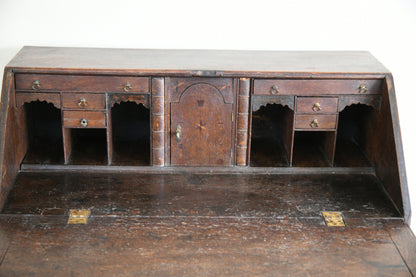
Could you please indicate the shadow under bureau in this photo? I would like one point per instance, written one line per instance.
(126, 112)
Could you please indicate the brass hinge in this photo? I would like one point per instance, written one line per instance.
(232, 116)
(333, 219)
(78, 216)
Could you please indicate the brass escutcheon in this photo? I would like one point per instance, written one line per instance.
(36, 85)
(316, 107)
(274, 89)
(314, 123)
(84, 122)
(127, 87)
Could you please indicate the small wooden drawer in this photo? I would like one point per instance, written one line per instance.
(87, 101)
(316, 105)
(84, 119)
(316, 87)
(45, 82)
(316, 121)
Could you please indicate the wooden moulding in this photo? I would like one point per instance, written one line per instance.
(158, 126)
(24, 97)
(369, 100)
(117, 98)
(263, 100)
(242, 121)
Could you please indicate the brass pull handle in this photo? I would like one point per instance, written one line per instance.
(127, 87)
(82, 103)
(84, 122)
(36, 85)
(316, 107)
(178, 133)
(363, 89)
(274, 89)
(314, 123)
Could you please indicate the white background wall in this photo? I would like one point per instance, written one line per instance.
(385, 28)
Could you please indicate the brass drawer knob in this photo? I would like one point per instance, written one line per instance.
(363, 89)
(314, 123)
(127, 87)
(274, 89)
(82, 103)
(316, 107)
(36, 85)
(84, 122)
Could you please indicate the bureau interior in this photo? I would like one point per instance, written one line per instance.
(271, 136)
(44, 133)
(124, 141)
(276, 142)
(131, 134)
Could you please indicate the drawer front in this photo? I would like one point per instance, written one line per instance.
(45, 82)
(84, 119)
(316, 87)
(316, 121)
(83, 101)
(316, 105)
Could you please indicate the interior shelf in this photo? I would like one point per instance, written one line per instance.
(131, 134)
(44, 131)
(271, 136)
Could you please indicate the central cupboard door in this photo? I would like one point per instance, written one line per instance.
(202, 117)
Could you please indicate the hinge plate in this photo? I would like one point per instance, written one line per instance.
(333, 219)
(78, 216)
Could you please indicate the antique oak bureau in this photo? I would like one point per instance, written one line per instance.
(170, 111)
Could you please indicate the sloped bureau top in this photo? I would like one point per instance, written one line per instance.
(197, 62)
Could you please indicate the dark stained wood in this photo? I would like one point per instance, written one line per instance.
(196, 62)
(131, 134)
(247, 225)
(309, 105)
(92, 101)
(22, 98)
(405, 242)
(95, 119)
(89, 146)
(381, 146)
(262, 100)
(66, 136)
(200, 170)
(117, 98)
(327, 121)
(13, 138)
(81, 83)
(190, 246)
(202, 116)
(349, 154)
(315, 87)
(223, 195)
(370, 100)
(243, 122)
(148, 189)
(271, 136)
(399, 167)
(158, 130)
(314, 148)
(109, 130)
